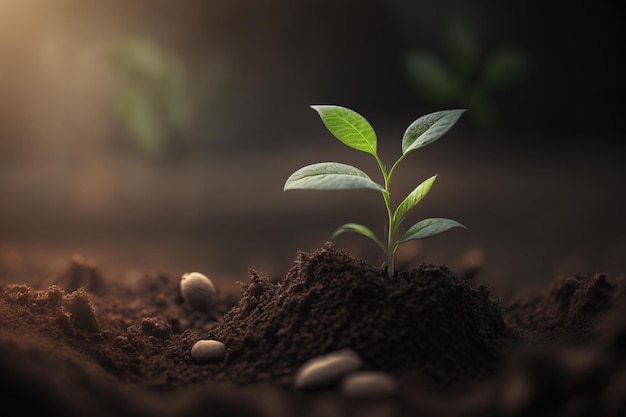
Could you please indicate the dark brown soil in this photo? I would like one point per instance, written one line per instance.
(77, 344)
(426, 321)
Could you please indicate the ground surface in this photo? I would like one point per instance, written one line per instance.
(77, 343)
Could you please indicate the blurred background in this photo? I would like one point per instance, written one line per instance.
(157, 135)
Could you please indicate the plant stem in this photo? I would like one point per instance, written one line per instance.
(389, 252)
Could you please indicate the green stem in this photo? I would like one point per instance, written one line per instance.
(389, 252)
(396, 164)
(391, 248)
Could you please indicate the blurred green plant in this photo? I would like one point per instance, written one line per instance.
(158, 103)
(462, 75)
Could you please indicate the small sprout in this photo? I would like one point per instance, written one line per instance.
(198, 291)
(354, 130)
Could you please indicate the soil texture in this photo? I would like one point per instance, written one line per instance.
(77, 344)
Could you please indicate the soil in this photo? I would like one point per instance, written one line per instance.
(80, 344)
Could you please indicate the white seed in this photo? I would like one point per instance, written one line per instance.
(327, 369)
(369, 384)
(197, 290)
(208, 351)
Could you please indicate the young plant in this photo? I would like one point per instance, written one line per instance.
(354, 130)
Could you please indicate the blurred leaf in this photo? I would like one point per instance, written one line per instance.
(482, 108)
(177, 98)
(461, 49)
(155, 101)
(504, 67)
(137, 60)
(138, 115)
(430, 77)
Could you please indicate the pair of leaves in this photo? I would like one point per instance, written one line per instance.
(420, 230)
(355, 131)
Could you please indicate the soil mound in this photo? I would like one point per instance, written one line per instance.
(426, 321)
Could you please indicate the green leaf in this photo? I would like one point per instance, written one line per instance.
(141, 118)
(412, 199)
(349, 127)
(461, 48)
(482, 109)
(330, 176)
(428, 227)
(505, 66)
(430, 77)
(360, 229)
(429, 128)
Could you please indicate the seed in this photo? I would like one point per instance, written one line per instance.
(368, 384)
(208, 351)
(198, 291)
(327, 369)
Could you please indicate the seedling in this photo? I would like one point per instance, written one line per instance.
(355, 131)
